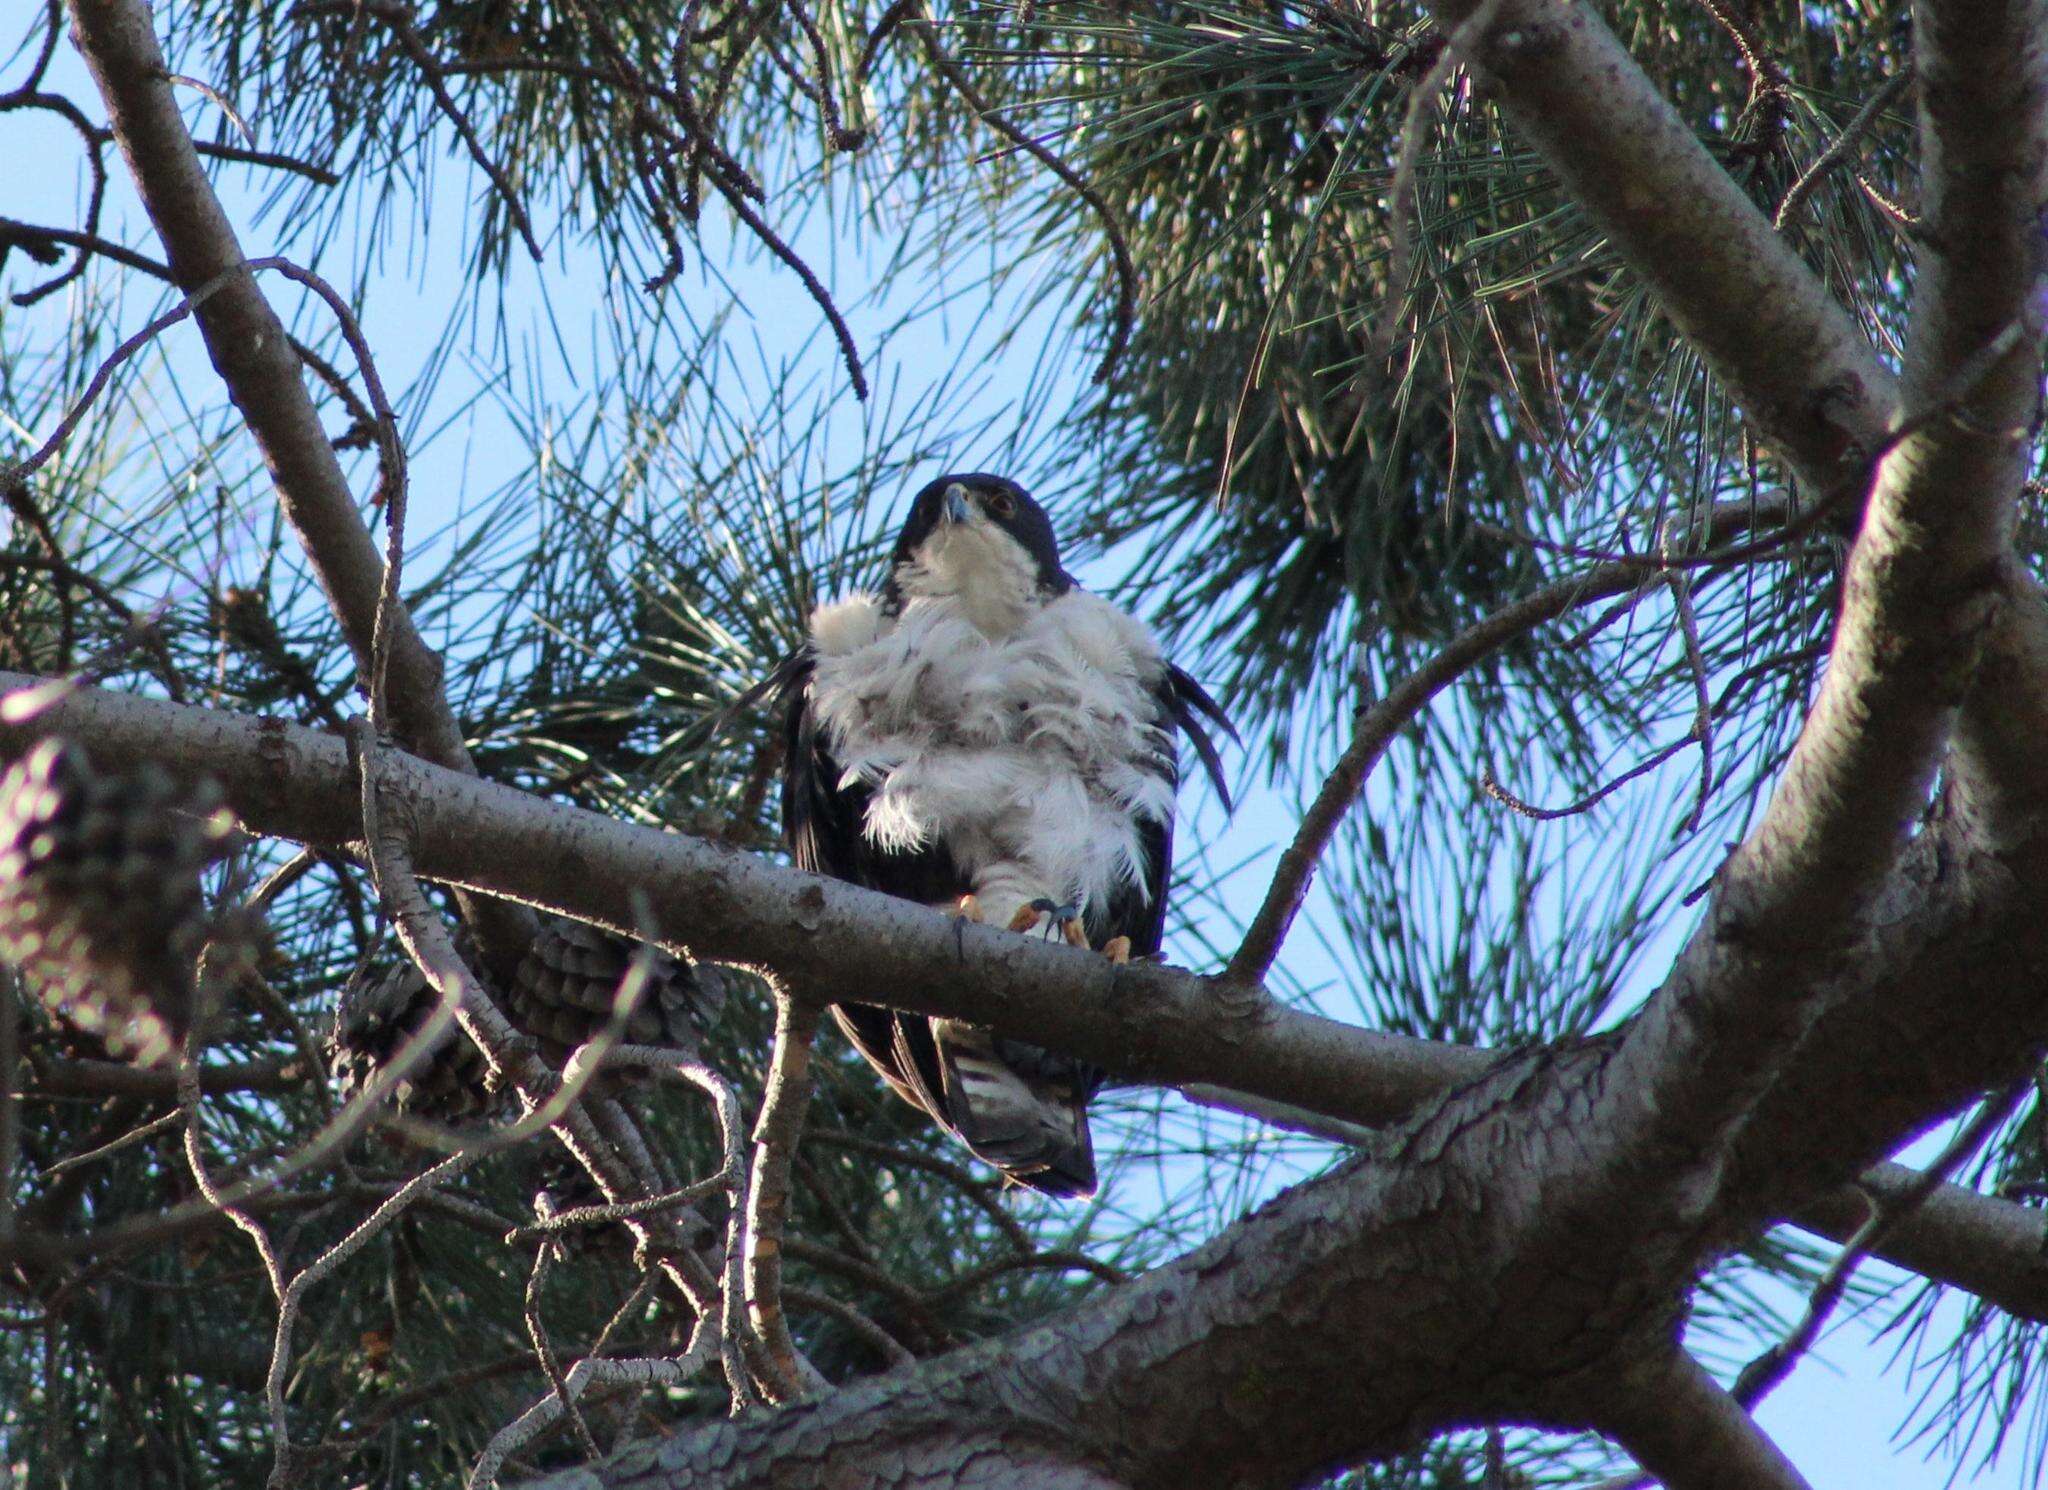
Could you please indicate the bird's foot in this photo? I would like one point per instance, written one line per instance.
(968, 908)
(1066, 919)
(1117, 949)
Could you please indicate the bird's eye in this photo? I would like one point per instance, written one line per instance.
(1003, 505)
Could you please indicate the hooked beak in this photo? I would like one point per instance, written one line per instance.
(956, 508)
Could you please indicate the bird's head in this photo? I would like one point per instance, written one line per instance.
(981, 539)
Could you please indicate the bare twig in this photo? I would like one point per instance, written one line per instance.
(544, 1349)
(1843, 144)
(885, 1344)
(642, 1371)
(919, 19)
(734, 1333)
(133, 1136)
(1703, 704)
(601, 1215)
(776, 1135)
(1774, 1365)
(1401, 193)
(28, 235)
(1599, 794)
(1377, 726)
(10, 1106)
(294, 1293)
(86, 1078)
(219, 100)
(16, 474)
(981, 1193)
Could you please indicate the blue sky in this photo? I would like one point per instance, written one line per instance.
(1835, 1416)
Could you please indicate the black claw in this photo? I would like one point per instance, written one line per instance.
(1057, 916)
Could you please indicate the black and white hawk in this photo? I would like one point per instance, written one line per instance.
(986, 737)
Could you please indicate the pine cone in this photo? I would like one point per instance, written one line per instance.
(561, 994)
(563, 991)
(100, 896)
(377, 1012)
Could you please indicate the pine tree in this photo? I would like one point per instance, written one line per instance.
(1593, 455)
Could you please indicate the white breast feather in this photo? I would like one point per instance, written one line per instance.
(1035, 758)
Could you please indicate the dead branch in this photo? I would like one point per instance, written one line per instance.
(776, 1134)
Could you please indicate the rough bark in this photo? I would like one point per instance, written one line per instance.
(1419, 1203)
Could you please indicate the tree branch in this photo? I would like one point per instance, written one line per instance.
(1691, 1435)
(254, 357)
(1144, 1020)
(1154, 1022)
(1788, 354)
(1984, 167)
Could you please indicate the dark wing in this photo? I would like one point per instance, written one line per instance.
(1138, 911)
(1188, 705)
(821, 823)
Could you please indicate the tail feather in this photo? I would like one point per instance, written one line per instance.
(1032, 1127)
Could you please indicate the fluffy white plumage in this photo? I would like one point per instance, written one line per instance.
(1026, 737)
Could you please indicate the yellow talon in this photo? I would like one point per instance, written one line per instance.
(1074, 932)
(1027, 917)
(1117, 949)
(968, 909)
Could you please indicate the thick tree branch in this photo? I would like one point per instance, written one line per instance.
(1984, 168)
(1156, 1022)
(253, 354)
(1789, 355)
(1993, 1248)
(1143, 1020)
(1924, 587)
(1691, 1435)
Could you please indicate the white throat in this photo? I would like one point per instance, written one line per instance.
(987, 574)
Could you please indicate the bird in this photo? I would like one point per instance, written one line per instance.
(986, 737)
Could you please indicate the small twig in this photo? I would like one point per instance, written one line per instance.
(981, 1193)
(1703, 704)
(219, 100)
(295, 1292)
(919, 18)
(1509, 800)
(28, 97)
(28, 235)
(811, 283)
(642, 1371)
(86, 1078)
(892, 1350)
(1767, 1370)
(602, 1215)
(319, 175)
(544, 1351)
(733, 1329)
(1769, 86)
(195, 1160)
(10, 1108)
(1040, 1262)
(391, 474)
(430, 68)
(836, 133)
(1377, 727)
(1278, 1114)
(776, 1135)
(132, 1137)
(1839, 150)
(11, 475)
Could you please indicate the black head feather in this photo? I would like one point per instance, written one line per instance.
(996, 500)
